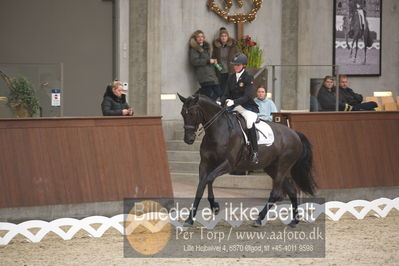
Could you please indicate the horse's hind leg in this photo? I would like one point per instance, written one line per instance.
(289, 188)
(278, 177)
(211, 198)
(268, 206)
(365, 49)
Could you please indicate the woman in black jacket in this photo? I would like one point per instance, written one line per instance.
(114, 101)
(238, 96)
(203, 64)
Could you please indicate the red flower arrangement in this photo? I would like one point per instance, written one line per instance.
(252, 50)
(245, 44)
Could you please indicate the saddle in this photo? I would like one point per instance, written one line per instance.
(264, 132)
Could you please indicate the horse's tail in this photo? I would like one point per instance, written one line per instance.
(301, 172)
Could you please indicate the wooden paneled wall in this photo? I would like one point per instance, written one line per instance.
(351, 149)
(48, 161)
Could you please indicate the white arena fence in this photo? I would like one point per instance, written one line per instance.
(333, 210)
(342, 44)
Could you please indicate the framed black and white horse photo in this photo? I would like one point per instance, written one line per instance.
(357, 37)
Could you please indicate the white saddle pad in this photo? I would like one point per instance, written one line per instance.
(265, 134)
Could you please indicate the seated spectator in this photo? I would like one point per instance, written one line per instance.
(327, 99)
(114, 101)
(347, 95)
(266, 105)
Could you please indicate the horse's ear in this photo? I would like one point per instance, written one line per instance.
(182, 99)
(195, 98)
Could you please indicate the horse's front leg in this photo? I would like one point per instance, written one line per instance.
(365, 52)
(215, 207)
(353, 43)
(205, 178)
(356, 48)
(278, 172)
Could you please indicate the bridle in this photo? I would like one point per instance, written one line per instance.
(207, 124)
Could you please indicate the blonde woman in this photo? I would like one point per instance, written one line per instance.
(203, 64)
(114, 101)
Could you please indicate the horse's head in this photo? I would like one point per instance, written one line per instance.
(192, 116)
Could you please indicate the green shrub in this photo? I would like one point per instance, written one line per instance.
(23, 94)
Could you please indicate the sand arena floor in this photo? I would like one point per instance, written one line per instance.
(372, 241)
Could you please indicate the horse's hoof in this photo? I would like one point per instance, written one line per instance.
(189, 222)
(293, 224)
(257, 223)
(216, 208)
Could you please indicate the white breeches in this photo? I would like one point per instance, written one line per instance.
(250, 117)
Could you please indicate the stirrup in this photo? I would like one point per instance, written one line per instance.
(254, 158)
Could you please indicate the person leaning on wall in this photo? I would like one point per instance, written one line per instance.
(114, 101)
(224, 50)
(200, 59)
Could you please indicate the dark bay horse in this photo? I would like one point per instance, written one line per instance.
(223, 149)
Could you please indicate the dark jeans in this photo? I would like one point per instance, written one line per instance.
(212, 91)
(223, 81)
(366, 106)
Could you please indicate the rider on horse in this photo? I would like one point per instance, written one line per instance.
(358, 13)
(238, 95)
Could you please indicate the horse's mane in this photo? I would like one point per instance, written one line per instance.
(203, 99)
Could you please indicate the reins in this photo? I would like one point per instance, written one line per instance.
(209, 123)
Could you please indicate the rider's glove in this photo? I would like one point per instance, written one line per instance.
(218, 103)
(229, 102)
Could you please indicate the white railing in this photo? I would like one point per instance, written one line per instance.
(333, 210)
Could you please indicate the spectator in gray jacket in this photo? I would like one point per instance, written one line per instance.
(200, 59)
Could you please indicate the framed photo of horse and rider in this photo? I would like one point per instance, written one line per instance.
(357, 37)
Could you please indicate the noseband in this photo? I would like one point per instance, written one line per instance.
(189, 127)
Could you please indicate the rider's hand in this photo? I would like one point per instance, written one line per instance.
(229, 102)
(218, 103)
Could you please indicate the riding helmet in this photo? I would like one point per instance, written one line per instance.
(239, 59)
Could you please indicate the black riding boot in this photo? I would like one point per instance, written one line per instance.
(254, 144)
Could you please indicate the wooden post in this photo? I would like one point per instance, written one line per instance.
(239, 31)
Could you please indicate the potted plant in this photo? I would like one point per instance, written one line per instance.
(22, 98)
(255, 60)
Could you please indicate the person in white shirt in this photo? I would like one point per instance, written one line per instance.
(266, 105)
